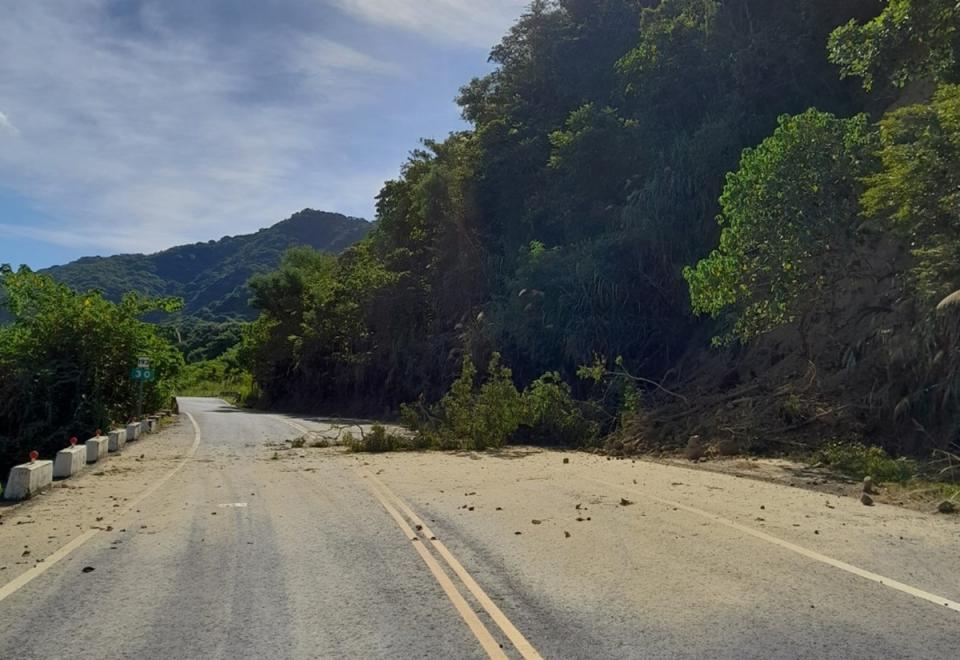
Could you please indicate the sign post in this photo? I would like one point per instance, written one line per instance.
(141, 373)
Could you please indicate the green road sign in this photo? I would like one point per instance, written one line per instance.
(141, 374)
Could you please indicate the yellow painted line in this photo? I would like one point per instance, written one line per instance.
(298, 427)
(49, 562)
(793, 547)
(524, 647)
(476, 626)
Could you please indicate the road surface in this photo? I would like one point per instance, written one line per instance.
(215, 539)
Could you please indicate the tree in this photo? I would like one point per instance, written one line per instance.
(65, 362)
(789, 223)
(909, 40)
(917, 188)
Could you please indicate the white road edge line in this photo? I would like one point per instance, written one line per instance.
(49, 562)
(793, 547)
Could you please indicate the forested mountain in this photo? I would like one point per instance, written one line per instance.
(211, 277)
(572, 231)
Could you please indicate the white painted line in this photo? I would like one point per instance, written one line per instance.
(49, 562)
(235, 505)
(793, 547)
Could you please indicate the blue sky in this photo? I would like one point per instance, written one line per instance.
(135, 125)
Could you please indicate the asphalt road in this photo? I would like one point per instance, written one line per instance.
(247, 550)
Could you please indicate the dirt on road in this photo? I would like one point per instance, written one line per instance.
(31, 530)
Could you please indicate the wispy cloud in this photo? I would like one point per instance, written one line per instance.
(477, 23)
(144, 123)
(6, 125)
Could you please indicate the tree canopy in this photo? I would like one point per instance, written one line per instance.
(65, 363)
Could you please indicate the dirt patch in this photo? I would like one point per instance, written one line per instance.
(87, 501)
(798, 474)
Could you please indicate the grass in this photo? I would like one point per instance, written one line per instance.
(235, 390)
(908, 478)
(858, 461)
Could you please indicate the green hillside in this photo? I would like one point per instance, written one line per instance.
(211, 277)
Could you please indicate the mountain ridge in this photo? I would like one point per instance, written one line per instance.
(211, 276)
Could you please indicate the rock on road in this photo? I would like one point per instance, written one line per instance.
(219, 544)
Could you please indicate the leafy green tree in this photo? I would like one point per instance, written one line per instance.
(917, 188)
(789, 223)
(909, 40)
(554, 417)
(472, 416)
(65, 362)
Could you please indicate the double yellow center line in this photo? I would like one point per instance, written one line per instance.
(394, 505)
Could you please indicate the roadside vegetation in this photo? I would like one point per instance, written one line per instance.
(65, 363)
(733, 220)
(224, 377)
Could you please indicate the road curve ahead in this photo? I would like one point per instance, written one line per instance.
(236, 546)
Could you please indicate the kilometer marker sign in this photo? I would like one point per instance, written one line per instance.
(138, 373)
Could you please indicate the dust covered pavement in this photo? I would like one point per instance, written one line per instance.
(613, 546)
(266, 546)
(31, 530)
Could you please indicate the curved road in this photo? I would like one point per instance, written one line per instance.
(253, 551)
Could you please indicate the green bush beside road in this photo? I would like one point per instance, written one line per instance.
(66, 360)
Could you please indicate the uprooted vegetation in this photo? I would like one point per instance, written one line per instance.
(486, 413)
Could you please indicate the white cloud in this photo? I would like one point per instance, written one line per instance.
(151, 137)
(5, 125)
(478, 23)
(314, 52)
(145, 123)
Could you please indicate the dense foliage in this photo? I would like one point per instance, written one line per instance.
(477, 414)
(558, 226)
(65, 363)
(575, 223)
(909, 40)
(224, 377)
(789, 218)
(210, 277)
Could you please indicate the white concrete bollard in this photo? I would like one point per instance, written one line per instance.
(151, 425)
(117, 439)
(28, 479)
(69, 461)
(97, 448)
(133, 431)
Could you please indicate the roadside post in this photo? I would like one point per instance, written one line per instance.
(141, 373)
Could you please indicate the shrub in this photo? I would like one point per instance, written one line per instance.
(553, 415)
(477, 417)
(499, 408)
(858, 460)
(378, 440)
(65, 361)
(485, 417)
